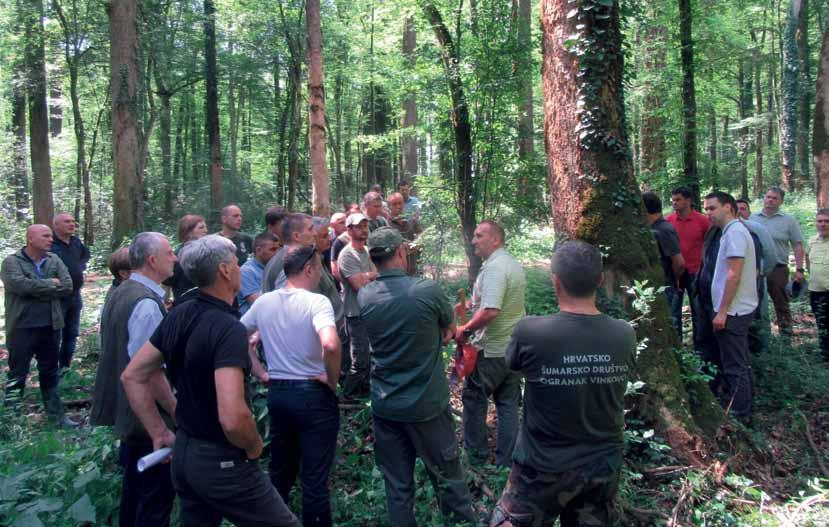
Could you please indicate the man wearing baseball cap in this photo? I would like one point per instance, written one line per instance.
(356, 270)
(408, 319)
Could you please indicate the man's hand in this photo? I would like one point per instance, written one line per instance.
(166, 439)
(719, 321)
(371, 276)
(323, 378)
(460, 335)
(256, 451)
(448, 333)
(798, 277)
(56, 280)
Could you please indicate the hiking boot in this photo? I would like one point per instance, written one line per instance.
(54, 408)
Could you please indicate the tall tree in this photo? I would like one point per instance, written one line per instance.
(689, 98)
(595, 197)
(320, 200)
(35, 60)
(465, 188)
(805, 95)
(790, 91)
(526, 135)
(652, 155)
(757, 183)
(20, 172)
(211, 78)
(409, 124)
(820, 140)
(128, 203)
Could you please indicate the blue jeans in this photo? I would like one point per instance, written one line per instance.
(71, 327)
(305, 419)
(675, 301)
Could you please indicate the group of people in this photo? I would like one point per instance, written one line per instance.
(727, 260)
(322, 308)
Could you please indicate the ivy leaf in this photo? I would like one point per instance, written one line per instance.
(82, 510)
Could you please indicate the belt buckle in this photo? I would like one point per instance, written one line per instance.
(226, 464)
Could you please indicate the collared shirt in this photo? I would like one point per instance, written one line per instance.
(501, 285)
(145, 316)
(197, 338)
(404, 316)
(251, 282)
(783, 229)
(818, 250)
(736, 242)
(768, 249)
(75, 255)
(691, 231)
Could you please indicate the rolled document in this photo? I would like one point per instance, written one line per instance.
(151, 460)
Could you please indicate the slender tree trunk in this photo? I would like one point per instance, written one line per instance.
(320, 199)
(409, 146)
(790, 91)
(178, 159)
(233, 107)
(296, 128)
(689, 102)
(465, 188)
(713, 149)
(128, 206)
(526, 146)
(652, 154)
(757, 184)
(805, 102)
(743, 108)
(211, 82)
(35, 59)
(820, 140)
(595, 197)
(20, 171)
(55, 107)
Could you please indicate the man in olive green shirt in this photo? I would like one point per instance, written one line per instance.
(498, 305)
(408, 319)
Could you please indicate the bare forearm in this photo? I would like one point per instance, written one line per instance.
(799, 254)
(331, 357)
(482, 318)
(256, 369)
(143, 403)
(163, 393)
(243, 434)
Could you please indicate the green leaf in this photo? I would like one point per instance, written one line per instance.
(27, 520)
(606, 3)
(43, 505)
(82, 510)
(86, 477)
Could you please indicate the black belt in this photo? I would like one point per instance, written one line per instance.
(295, 383)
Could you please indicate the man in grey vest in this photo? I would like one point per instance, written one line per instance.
(129, 318)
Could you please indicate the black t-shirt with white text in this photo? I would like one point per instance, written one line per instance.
(576, 369)
(197, 338)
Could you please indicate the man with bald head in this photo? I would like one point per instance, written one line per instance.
(35, 280)
(74, 255)
(408, 226)
(232, 230)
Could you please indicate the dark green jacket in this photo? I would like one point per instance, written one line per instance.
(23, 287)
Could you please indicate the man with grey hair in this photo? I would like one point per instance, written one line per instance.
(297, 229)
(216, 448)
(373, 208)
(232, 230)
(130, 316)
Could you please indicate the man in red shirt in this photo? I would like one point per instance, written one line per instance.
(691, 226)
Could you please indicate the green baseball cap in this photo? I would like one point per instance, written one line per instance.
(384, 240)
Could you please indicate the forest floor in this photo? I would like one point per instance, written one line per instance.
(778, 477)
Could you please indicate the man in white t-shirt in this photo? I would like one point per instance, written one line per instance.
(734, 297)
(302, 351)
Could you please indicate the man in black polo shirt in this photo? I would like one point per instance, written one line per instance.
(667, 240)
(576, 364)
(215, 468)
(408, 319)
(75, 256)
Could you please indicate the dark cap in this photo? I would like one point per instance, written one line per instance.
(384, 240)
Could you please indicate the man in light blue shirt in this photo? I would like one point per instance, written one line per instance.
(411, 205)
(264, 247)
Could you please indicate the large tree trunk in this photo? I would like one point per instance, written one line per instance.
(689, 101)
(595, 196)
(212, 110)
(20, 170)
(128, 205)
(652, 153)
(320, 200)
(820, 140)
(790, 91)
(409, 104)
(465, 188)
(35, 60)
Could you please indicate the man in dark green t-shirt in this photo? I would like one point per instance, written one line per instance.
(576, 364)
(408, 319)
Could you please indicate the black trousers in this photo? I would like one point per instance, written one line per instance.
(72, 307)
(357, 383)
(733, 381)
(27, 343)
(146, 497)
(820, 307)
(215, 481)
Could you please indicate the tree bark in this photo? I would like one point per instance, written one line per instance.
(128, 205)
(212, 110)
(20, 171)
(35, 59)
(55, 107)
(757, 183)
(526, 146)
(744, 106)
(409, 146)
(465, 187)
(595, 197)
(805, 102)
(689, 102)
(713, 150)
(790, 92)
(820, 139)
(320, 199)
(652, 153)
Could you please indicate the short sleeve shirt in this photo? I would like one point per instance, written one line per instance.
(668, 242)
(251, 282)
(783, 229)
(196, 339)
(736, 242)
(501, 284)
(288, 321)
(691, 232)
(244, 246)
(404, 316)
(818, 251)
(352, 262)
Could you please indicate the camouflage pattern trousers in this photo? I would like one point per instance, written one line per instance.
(579, 497)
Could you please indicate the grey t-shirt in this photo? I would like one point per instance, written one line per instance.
(784, 230)
(352, 262)
(736, 242)
(576, 369)
(274, 268)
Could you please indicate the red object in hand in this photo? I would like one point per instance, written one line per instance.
(466, 356)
